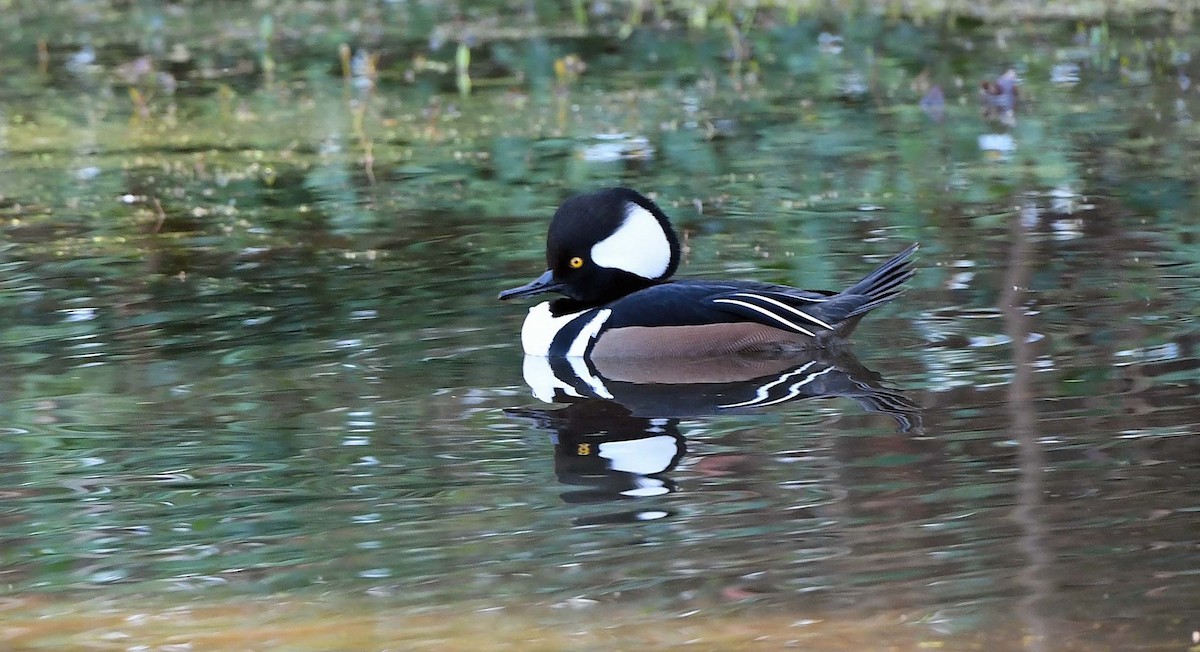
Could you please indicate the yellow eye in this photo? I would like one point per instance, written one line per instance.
(575, 262)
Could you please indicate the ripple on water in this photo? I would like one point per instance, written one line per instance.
(272, 397)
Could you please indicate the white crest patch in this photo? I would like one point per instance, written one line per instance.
(651, 515)
(641, 456)
(638, 246)
(647, 487)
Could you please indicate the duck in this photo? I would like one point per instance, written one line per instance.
(611, 253)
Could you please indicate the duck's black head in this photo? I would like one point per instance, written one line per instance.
(604, 245)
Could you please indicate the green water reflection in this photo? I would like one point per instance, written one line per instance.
(252, 353)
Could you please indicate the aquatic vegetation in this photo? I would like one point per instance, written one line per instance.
(252, 356)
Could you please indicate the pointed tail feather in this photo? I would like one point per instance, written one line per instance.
(885, 283)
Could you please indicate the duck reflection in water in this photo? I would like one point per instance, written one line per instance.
(618, 435)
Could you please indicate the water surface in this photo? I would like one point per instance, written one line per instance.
(260, 394)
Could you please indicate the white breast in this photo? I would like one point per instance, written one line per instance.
(537, 334)
(540, 377)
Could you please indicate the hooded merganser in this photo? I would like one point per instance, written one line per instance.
(610, 252)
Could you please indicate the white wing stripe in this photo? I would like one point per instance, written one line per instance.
(764, 391)
(768, 313)
(783, 305)
(794, 390)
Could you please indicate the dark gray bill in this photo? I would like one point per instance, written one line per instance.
(543, 283)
